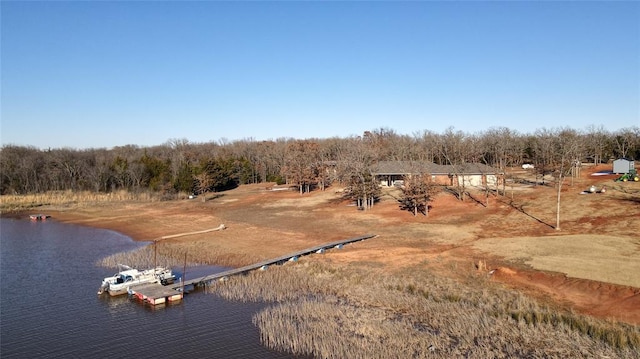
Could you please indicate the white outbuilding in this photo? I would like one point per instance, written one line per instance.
(622, 165)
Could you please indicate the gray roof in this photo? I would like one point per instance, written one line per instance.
(404, 167)
(409, 167)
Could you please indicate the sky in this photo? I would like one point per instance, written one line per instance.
(100, 74)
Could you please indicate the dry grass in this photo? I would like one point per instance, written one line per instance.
(596, 257)
(145, 257)
(173, 254)
(351, 312)
(14, 203)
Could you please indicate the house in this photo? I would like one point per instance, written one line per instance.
(467, 174)
(473, 174)
(392, 172)
(622, 165)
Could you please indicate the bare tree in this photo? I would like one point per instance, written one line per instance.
(626, 141)
(173, 165)
(300, 160)
(418, 191)
(427, 146)
(501, 150)
(98, 173)
(596, 143)
(544, 152)
(354, 169)
(567, 147)
(452, 152)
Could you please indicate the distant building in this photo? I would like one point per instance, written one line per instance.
(622, 165)
(391, 173)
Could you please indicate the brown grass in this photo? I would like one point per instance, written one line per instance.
(604, 258)
(69, 199)
(356, 312)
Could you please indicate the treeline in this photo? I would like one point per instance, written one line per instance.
(179, 166)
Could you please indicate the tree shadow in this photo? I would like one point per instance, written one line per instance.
(483, 204)
(452, 192)
(522, 210)
(215, 195)
(422, 209)
(341, 199)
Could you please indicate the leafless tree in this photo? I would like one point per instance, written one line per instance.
(452, 151)
(354, 169)
(426, 146)
(172, 166)
(626, 141)
(543, 152)
(596, 143)
(567, 147)
(418, 191)
(502, 148)
(300, 160)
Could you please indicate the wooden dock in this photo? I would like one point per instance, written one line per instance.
(156, 293)
(280, 260)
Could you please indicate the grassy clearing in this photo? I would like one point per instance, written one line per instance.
(354, 312)
(580, 256)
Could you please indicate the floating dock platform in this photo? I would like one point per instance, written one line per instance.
(156, 293)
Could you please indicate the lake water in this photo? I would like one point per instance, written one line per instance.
(49, 307)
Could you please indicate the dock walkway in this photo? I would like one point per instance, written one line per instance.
(279, 260)
(159, 294)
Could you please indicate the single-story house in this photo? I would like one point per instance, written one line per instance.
(468, 174)
(622, 165)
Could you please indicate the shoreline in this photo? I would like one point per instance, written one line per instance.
(235, 247)
(262, 224)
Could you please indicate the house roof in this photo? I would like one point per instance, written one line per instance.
(410, 167)
(471, 169)
(404, 167)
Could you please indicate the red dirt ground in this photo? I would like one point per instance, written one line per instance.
(268, 223)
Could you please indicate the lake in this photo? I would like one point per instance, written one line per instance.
(49, 307)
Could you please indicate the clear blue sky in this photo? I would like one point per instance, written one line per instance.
(85, 74)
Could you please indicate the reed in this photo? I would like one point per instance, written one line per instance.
(142, 258)
(340, 311)
(15, 203)
(172, 254)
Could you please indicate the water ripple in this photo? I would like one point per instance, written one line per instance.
(49, 307)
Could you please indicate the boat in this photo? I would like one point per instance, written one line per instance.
(128, 277)
(39, 217)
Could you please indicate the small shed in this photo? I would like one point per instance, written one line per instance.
(622, 165)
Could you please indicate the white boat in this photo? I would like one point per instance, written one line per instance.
(127, 277)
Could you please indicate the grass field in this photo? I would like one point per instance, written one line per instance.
(601, 258)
